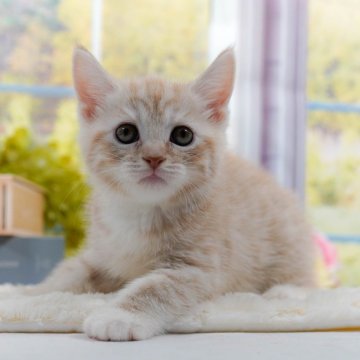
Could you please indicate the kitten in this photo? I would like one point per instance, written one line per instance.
(175, 218)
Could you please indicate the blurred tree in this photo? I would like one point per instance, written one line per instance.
(26, 30)
(333, 65)
(139, 37)
(333, 76)
(332, 181)
(168, 37)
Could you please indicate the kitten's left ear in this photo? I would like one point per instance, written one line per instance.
(92, 83)
(215, 85)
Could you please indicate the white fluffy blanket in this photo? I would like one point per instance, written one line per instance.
(283, 308)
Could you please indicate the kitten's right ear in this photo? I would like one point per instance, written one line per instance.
(215, 85)
(91, 82)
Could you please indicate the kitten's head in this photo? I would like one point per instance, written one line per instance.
(150, 139)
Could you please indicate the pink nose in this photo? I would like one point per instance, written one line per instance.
(154, 161)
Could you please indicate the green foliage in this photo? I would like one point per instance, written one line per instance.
(349, 272)
(336, 219)
(334, 50)
(332, 180)
(333, 65)
(57, 171)
(333, 76)
(139, 37)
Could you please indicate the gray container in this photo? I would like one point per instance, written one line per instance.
(28, 260)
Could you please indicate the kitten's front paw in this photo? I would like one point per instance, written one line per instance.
(114, 324)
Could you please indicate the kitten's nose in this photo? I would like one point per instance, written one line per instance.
(154, 161)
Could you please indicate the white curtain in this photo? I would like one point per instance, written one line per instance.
(268, 108)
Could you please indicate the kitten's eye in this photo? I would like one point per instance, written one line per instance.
(182, 136)
(127, 133)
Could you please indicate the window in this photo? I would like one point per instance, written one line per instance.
(333, 153)
(134, 38)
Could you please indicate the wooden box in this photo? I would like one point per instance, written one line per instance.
(21, 207)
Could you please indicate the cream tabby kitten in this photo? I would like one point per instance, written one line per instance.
(175, 218)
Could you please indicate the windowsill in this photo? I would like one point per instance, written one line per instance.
(318, 345)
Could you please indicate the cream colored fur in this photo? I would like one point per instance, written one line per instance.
(209, 224)
(283, 308)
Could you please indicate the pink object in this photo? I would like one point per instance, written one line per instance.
(328, 251)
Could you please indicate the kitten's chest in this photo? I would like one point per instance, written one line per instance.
(124, 244)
